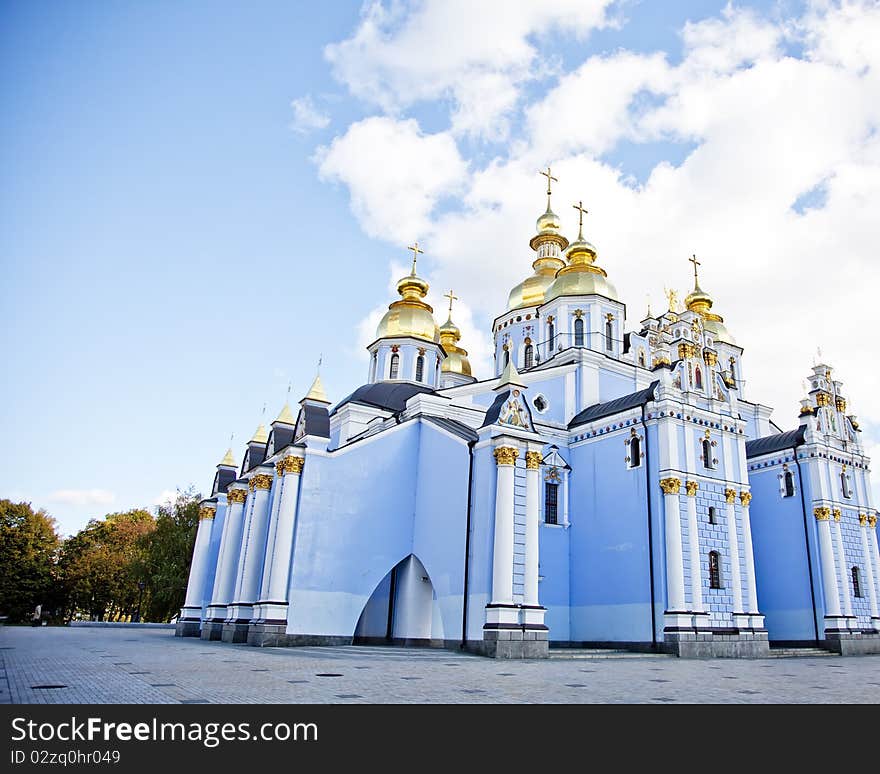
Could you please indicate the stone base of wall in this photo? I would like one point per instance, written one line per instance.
(267, 635)
(718, 643)
(212, 630)
(852, 643)
(236, 631)
(188, 628)
(511, 644)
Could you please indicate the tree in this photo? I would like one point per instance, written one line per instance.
(28, 552)
(168, 553)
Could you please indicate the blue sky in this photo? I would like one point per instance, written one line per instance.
(176, 250)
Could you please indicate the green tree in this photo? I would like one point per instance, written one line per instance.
(168, 553)
(28, 552)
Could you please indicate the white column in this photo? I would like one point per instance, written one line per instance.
(502, 551)
(694, 547)
(255, 541)
(195, 589)
(246, 516)
(675, 602)
(230, 544)
(874, 552)
(867, 552)
(826, 556)
(842, 568)
(275, 583)
(271, 532)
(733, 548)
(533, 463)
(751, 581)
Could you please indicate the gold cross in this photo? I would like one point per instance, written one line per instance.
(696, 263)
(549, 175)
(415, 248)
(580, 208)
(451, 298)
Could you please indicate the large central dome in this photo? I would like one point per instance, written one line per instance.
(410, 316)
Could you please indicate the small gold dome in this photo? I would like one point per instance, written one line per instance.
(700, 302)
(410, 316)
(456, 360)
(532, 290)
(581, 277)
(714, 324)
(548, 223)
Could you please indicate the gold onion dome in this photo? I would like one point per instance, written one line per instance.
(410, 316)
(456, 360)
(581, 277)
(532, 290)
(700, 302)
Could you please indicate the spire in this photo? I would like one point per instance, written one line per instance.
(580, 208)
(456, 360)
(509, 376)
(260, 435)
(286, 416)
(697, 300)
(415, 251)
(550, 179)
(316, 392)
(228, 461)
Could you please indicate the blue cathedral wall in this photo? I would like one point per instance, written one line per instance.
(361, 512)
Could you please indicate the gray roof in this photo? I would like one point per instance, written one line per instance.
(391, 396)
(456, 428)
(316, 420)
(616, 406)
(774, 443)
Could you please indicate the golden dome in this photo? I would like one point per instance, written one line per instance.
(532, 290)
(581, 277)
(548, 223)
(700, 302)
(456, 360)
(715, 325)
(410, 316)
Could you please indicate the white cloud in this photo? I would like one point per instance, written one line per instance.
(82, 497)
(394, 172)
(476, 54)
(166, 496)
(306, 116)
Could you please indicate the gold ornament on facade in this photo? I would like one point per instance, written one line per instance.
(822, 514)
(207, 512)
(236, 495)
(691, 487)
(840, 403)
(533, 460)
(670, 486)
(823, 399)
(863, 519)
(872, 521)
(711, 358)
(730, 495)
(660, 359)
(686, 350)
(261, 481)
(290, 464)
(745, 498)
(837, 514)
(506, 455)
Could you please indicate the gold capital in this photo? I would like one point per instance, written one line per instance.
(506, 455)
(863, 520)
(837, 514)
(822, 514)
(236, 495)
(692, 487)
(670, 485)
(872, 521)
(533, 460)
(261, 481)
(730, 495)
(840, 403)
(745, 498)
(823, 399)
(711, 358)
(207, 512)
(290, 464)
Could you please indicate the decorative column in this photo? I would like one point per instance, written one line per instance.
(274, 592)
(842, 566)
(733, 549)
(676, 609)
(227, 560)
(868, 553)
(833, 619)
(501, 613)
(189, 623)
(532, 612)
(691, 488)
(875, 552)
(757, 620)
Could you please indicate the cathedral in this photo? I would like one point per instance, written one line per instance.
(607, 486)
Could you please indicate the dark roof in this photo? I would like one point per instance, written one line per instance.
(222, 479)
(774, 443)
(316, 421)
(279, 436)
(495, 409)
(607, 409)
(255, 454)
(456, 428)
(391, 396)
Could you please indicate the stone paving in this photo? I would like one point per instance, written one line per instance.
(151, 666)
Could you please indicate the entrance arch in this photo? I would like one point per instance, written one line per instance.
(402, 610)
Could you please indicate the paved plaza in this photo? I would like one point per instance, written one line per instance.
(132, 665)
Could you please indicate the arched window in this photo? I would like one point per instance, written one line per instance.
(551, 502)
(707, 453)
(713, 515)
(844, 485)
(635, 452)
(609, 335)
(506, 356)
(420, 368)
(551, 335)
(395, 366)
(578, 332)
(373, 361)
(528, 356)
(714, 570)
(698, 378)
(857, 582)
(788, 484)
(732, 370)
(642, 358)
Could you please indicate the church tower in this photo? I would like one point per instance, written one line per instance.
(455, 368)
(407, 346)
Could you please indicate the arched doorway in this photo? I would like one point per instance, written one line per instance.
(401, 609)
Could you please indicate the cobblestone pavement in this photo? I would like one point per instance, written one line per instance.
(152, 666)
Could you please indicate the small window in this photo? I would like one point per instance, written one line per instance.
(732, 370)
(551, 335)
(528, 356)
(635, 452)
(844, 485)
(420, 368)
(506, 356)
(373, 361)
(713, 515)
(395, 366)
(578, 332)
(642, 358)
(714, 570)
(707, 453)
(857, 582)
(609, 336)
(788, 484)
(698, 378)
(551, 502)
(540, 403)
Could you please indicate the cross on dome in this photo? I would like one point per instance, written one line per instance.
(550, 179)
(583, 211)
(415, 251)
(452, 297)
